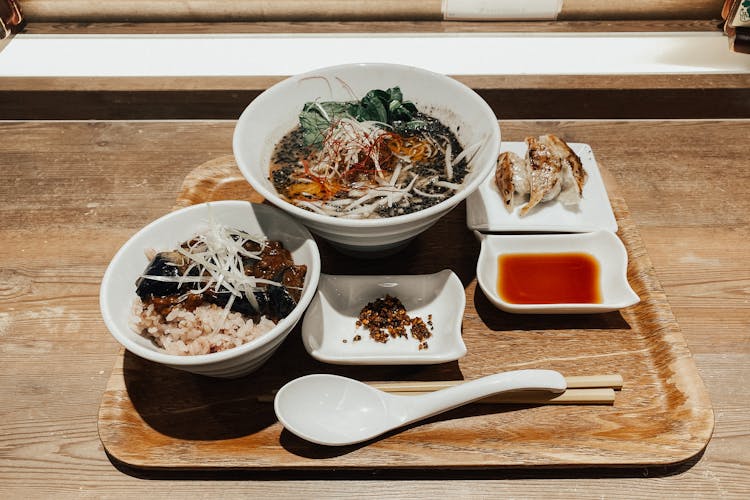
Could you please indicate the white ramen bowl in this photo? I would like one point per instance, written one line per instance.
(118, 285)
(275, 112)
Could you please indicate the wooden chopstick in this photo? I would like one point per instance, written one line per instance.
(596, 395)
(585, 389)
(612, 381)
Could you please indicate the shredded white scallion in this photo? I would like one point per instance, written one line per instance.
(448, 164)
(468, 153)
(357, 171)
(215, 259)
(449, 185)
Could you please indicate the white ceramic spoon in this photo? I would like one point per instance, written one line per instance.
(335, 411)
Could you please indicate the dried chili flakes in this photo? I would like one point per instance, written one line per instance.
(386, 318)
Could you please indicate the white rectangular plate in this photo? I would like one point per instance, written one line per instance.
(485, 210)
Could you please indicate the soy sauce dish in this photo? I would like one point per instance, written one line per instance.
(555, 273)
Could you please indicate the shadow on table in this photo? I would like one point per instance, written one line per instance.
(497, 320)
(192, 407)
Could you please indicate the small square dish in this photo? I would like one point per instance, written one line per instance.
(486, 212)
(330, 324)
(522, 273)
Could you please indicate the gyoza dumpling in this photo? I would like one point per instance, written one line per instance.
(545, 170)
(573, 174)
(511, 176)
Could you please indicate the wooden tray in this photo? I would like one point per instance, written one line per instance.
(156, 417)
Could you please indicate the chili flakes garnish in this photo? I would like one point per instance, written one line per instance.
(386, 318)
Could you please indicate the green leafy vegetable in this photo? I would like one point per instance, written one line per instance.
(382, 106)
(316, 117)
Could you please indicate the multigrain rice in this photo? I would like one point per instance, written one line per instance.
(200, 331)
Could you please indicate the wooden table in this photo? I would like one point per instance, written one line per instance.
(72, 192)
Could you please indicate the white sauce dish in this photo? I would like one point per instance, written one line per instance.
(606, 249)
(330, 324)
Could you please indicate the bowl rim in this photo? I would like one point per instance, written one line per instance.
(126, 336)
(313, 217)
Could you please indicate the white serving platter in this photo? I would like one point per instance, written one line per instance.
(486, 212)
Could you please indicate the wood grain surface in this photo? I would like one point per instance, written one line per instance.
(367, 10)
(80, 27)
(73, 192)
(662, 416)
(526, 97)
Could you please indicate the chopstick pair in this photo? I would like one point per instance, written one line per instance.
(586, 389)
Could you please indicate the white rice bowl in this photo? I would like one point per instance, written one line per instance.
(185, 339)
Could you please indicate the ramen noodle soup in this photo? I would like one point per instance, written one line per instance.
(373, 158)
